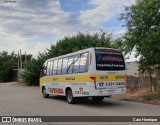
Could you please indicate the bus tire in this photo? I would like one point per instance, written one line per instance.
(97, 99)
(70, 98)
(45, 95)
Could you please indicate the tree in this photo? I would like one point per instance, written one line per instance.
(82, 41)
(143, 23)
(7, 63)
(32, 72)
(67, 45)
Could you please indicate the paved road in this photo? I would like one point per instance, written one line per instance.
(28, 101)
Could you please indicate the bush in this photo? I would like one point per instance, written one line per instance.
(8, 62)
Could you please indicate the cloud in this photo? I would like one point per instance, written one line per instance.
(25, 44)
(31, 17)
(38, 16)
(47, 17)
(104, 11)
(12, 42)
(119, 33)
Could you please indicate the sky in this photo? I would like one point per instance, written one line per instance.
(33, 25)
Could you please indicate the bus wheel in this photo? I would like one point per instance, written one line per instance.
(45, 95)
(70, 98)
(97, 99)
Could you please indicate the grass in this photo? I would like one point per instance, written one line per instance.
(155, 97)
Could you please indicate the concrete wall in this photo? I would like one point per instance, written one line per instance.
(132, 68)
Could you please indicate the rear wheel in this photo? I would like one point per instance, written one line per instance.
(70, 98)
(45, 95)
(97, 99)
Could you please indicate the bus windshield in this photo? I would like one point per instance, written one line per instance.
(109, 59)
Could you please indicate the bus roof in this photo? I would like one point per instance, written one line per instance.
(80, 51)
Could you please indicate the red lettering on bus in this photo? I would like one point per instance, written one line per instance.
(111, 58)
(56, 90)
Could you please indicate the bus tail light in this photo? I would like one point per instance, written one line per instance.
(126, 79)
(108, 50)
(94, 79)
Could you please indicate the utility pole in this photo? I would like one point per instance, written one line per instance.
(20, 60)
(25, 57)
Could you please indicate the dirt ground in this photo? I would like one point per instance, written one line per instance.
(138, 96)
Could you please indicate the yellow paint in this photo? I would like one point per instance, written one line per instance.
(82, 78)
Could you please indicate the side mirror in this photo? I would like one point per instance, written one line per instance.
(42, 70)
(44, 67)
(41, 67)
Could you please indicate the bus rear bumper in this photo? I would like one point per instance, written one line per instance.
(109, 92)
(103, 92)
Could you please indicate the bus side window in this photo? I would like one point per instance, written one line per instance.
(76, 63)
(48, 68)
(83, 62)
(55, 67)
(70, 64)
(64, 65)
(59, 66)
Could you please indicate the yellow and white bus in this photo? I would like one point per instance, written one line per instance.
(94, 72)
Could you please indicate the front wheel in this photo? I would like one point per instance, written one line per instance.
(45, 95)
(70, 98)
(97, 99)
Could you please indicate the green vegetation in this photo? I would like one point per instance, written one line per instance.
(142, 21)
(68, 45)
(8, 62)
(143, 24)
(152, 97)
(32, 73)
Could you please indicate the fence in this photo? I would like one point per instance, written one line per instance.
(140, 82)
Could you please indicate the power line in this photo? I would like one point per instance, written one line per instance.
(60, 34)
(28, 33)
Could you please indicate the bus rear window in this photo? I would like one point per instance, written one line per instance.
(108, 59)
